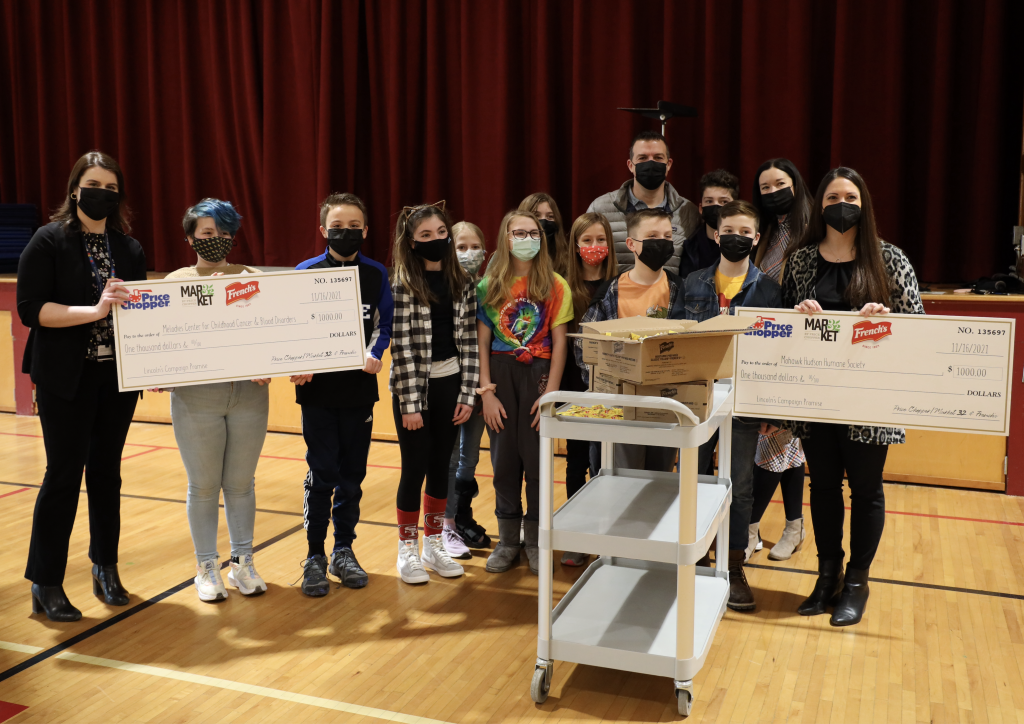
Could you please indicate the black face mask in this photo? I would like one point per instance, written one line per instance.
(433, 250)
(213, 248)
(710, 215)
(778, 202)
(735, 247)
(650, 174)
(345, 242)
(842, 216)
(98, 203)
(550, 229)
(655, 253)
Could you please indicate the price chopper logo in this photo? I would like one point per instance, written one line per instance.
(768, 327)
(145, 299)
(869, 333)
(197, 295)
(828, 329)
(241, 293)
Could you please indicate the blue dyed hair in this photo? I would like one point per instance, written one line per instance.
(222, 213)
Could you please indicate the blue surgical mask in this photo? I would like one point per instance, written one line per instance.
(525, 249)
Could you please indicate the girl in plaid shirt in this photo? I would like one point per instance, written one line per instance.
(434, 374)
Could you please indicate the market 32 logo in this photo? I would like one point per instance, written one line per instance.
(869, 333)
(768, 327)
(145, 299)
(197, 295)
(827, 329)
(241, 293)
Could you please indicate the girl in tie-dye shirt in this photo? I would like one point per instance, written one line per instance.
(522, 311)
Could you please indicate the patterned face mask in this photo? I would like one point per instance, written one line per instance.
(471, 260)
(212, 249)
(593, 255)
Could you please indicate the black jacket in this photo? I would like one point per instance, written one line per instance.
(54, 268)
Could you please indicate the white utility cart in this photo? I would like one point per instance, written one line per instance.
(643, 605)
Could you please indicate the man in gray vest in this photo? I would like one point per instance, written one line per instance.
(649, 162)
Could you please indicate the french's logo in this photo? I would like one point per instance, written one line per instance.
(868, 331)
(241, 292)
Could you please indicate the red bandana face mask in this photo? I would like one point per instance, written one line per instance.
(593, 255)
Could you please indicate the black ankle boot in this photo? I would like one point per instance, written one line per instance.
(741, 598)
(826, 590)
(52, 601)
(106, 584)
(852, 600)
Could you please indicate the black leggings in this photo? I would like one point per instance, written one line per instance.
(765, 483)
(577, 464)
(428, 451)
(829, 452)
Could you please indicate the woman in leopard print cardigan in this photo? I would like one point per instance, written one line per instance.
(840, 264)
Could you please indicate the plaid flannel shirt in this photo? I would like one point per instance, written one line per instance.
(410, 348)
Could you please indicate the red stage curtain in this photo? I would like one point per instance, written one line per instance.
(273, 104)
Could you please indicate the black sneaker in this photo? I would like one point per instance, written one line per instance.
(346, 568)
(314, 577)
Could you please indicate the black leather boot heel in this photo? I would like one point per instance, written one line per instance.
(52, 601)
(853, 600)
(826, 589)
(106, 584)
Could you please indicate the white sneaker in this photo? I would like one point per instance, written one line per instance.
(454, 544)
(208, 581)
(409, 566)
(436, 558)
(244, 577)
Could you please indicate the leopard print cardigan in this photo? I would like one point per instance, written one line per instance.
(798, 282)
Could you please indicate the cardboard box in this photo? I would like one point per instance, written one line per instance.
(695, 395)
(611, 328)
(607, 385)
(692, 352)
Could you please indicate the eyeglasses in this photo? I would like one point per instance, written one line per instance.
(520, 234)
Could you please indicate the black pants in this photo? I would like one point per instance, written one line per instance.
(577, 465)
(765, 483)
(829, 452)
(85, 432)
(515, 449)
(744, 444)
(337, 445)
(427, 452)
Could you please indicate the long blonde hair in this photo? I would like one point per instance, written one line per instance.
(408, 266)
(563, 252)
(609, 267)
(499, 270)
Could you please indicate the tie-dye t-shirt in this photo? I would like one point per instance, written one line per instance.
(522, 326)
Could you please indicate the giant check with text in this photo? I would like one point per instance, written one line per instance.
(899, 370)
(193, 331)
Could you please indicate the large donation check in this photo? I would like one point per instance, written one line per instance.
(176, 332)
(901, 370)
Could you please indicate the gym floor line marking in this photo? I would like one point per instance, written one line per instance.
(929, 515)
(776, 502)
(138, 608)
(14, 492)
(895, 582)
(161, 672)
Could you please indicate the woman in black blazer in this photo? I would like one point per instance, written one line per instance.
(68, 278)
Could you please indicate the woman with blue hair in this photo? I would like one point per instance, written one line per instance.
(219, 427)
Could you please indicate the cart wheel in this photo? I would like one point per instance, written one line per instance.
(685, 700)
(541, 685)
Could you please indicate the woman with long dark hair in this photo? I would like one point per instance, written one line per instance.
(69, 278)
(841, 264)
(781, 197)
(434, 374)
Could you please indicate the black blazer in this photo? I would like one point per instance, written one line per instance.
(54, 268)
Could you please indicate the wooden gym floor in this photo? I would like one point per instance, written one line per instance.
(942, 641)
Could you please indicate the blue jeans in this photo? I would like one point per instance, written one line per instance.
(220, 429)
(744, 444)
(465, 458)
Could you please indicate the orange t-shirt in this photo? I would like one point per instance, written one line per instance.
(641, 300)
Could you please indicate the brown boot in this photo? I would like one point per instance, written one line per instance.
(741, 598)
